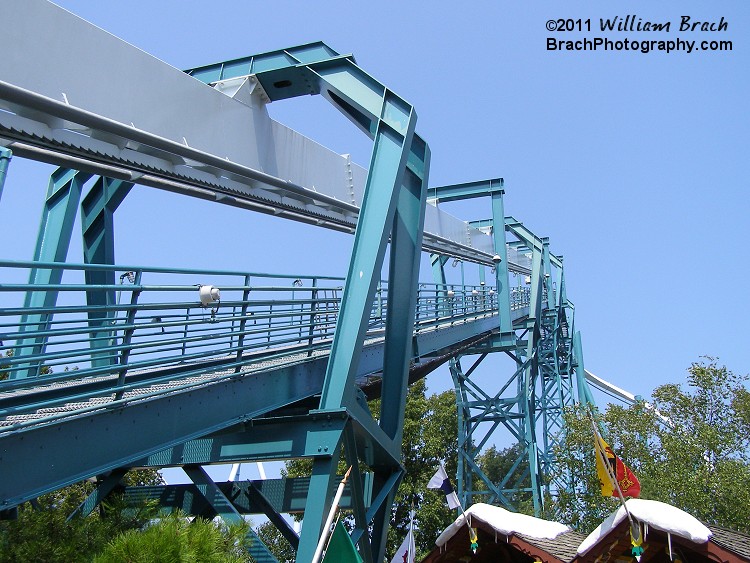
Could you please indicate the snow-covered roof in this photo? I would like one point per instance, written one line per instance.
(505, 522)
(659, 515)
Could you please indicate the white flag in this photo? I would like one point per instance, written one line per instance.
(407, 551)
(440, 481)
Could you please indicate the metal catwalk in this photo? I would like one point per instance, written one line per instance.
(108, 367)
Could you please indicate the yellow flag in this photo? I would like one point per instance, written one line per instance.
(604, 455)
(614, 469)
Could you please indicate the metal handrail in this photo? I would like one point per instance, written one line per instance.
(110, 351)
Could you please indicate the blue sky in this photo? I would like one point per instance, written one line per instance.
(633, 164)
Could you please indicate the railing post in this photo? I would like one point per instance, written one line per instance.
(185, 330)
(243, 323)
(127, 336)
(270, 318)
(313, 311)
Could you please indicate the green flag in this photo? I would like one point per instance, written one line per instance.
(341, 549)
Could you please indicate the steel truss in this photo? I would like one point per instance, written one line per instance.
(312, 403)
(391, 212)
(529, 404)
(393, 206)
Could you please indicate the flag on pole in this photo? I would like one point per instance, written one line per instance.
(440, 481)
(341, 548)
(407, 552)
(614, 469)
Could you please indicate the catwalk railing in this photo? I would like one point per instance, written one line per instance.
(164, 330)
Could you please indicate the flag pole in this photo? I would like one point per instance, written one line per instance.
(329, 520)
(460, 506)
(636, 539)
(443, 474)
(411, 533)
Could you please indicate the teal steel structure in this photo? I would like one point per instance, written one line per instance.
(5, 156)
(127, 349)
(530, 403)
(393, 207)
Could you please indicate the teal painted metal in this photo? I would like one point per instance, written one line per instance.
(438, 269)
(103, 488)
(224, 508)
(284, 495)
(52, 244)
(97, 223)
(530, 403)
(584, 392)
(256, 496)
(393, 206)
(502, 279)
(386, 172)
(207, 356)
(478, 408)
(322, 483)
(554, 374)
(455, 192)
(406, 244)
(266, 63)
(529, 375)
(5, 156)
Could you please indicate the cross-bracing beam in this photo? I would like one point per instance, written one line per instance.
(529, 404)
(122, 135)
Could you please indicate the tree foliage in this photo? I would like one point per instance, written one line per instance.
(430, 437)
(42, 533)
(688, 447)
(496, 464)
(276, 542)
(177, 539)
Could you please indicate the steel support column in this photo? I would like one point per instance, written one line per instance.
(390, 207)
(502, 280)
(584, 393)
(97, 225)
(528, 382)
(438, 262)
(403, 277)
(477, 406)
(52, 245)
(322, 483)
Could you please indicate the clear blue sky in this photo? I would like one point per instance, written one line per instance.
(633, 164)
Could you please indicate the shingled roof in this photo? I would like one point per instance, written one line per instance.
(564, 547)
(505, 536)
(733, 541)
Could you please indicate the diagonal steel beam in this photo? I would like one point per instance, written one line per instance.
(53, 241)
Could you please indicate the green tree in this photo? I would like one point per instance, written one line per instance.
(42, 533)
(689, 448)
(4, 367)
(176, 538)
(430, 437)
(496, 464)
(276, 542)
